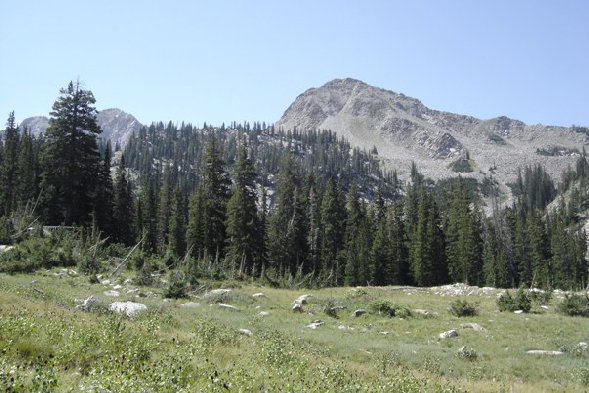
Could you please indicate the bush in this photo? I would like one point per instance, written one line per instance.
(463, 308)
(176, 285)
(521, 301)
(392, 310)
(575, 305)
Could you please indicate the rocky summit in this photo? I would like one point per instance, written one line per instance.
(404, 130)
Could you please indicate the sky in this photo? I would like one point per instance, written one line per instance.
(222, 61)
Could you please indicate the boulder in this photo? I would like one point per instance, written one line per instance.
(297, 308)
(228, 306)
(263, 313)
(112, 293)
(258, 295)
(245, 332)
(190, 305)
(449, 334)
(315, 325)
(105, 282)
(359, 312)
(128, 281)
(117, 287)
(217, 292)
(129, 308)
(91, 303)
(544, 352)
(474, 326)
(303, 299)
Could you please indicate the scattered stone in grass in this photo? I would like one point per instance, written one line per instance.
(384, 333)
(128, 281)
(303, 299)
(112, 293)
(359, 312)
(544, 307)
(129, 308)
(167, 300)
(544, 352)
(582, 346)
(216, 292)
(449, 334)
(132, 290)
(91, 303)
(258, 295)
(344, 327)
(117, 287)
(228, 306)
(315, 325)
(245, 332)
(474, 326)
(190, 305)
(105, 282)
(466, 354)
(263, 313)
(518, 312)
(423, 313)
(297, 308)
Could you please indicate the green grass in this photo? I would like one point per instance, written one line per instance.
(46, 344)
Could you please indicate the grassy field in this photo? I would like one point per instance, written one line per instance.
(48, 344)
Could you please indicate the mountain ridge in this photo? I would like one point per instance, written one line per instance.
(404, 130)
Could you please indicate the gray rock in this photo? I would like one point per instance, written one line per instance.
(449, 334)
(258, 295)
(359, 312)
(217, 292)
(315, 325)
(190, 305)
(263, 313)
(303, 299)
(112, 293)
(117, 287)
(245, 332)
(518, 312)
(544, 352)
(91, 303)
(105, 282)
(227, 306)
(297, 308)
(128, 308)
(474, 326)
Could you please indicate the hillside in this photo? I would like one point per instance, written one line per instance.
(405, 130)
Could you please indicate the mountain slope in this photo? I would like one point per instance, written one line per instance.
(116, 125)
(405, 130)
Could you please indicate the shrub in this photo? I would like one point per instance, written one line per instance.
(176, 285)
(521, 301)
(390, 309)
(575, 305)
(463, 308)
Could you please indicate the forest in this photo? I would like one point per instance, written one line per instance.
(251, 202)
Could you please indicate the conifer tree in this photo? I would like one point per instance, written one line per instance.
(333, 218)
(244, 235)
(122, 209)
(177, 226)
(397, 237)
(163, 218)
(195, 232)
(70, 160)
(103, 212)
(27, 170)
(9, 169)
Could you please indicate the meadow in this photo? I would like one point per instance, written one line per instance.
(49, 343)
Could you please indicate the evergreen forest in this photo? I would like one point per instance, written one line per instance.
(251, 202)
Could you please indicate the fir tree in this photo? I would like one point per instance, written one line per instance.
(123, 207)
(9, 169)
(177, 225)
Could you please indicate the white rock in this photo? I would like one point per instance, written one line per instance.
(245, 332)
(128, 281)
(518, 312)
(91, 303)
(449, 334)
(129, 308)
(544, 307)
(105, 282)
(117, 287)
(217, 292)
(228, 306)
(190, 305)
(315, 325)
(303, 299)
(258, 295)
(583, 346)
(263, 313)
(359, 312)
(112, 293)
(297, 308)
(474, 326)
(543, 352)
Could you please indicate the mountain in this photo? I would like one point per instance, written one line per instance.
(441, 143)
(116, 125)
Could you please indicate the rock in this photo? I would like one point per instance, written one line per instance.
(474, 326)
(544, 352)
(449, 334)
(132, 290)
(359, 312)
(245, 332)
(167, 300)
(422, 312)
(258, 295)
(315, 325)
(4, 248)
(518, 312)
(582, 346)
(303, 299)
(217, 292)
(544, 307)
(228, 306)
(117, 287)
(105, 282)
(129, 308)
(91, 303)
(112, 293)
(263, 313)
(190, 305)
(297, 308)
(128, 281)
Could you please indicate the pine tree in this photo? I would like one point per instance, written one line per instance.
(70, 159)
(103, 212)
(397, 237)
(333, 218)
(177, 225)
(122, 209)
(195, 232)
(27, 170)
(9, 169)
(244, 236)
(163, 217)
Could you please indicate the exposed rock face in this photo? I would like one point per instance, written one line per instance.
(129, 308)
(404, 131)
(116, 125)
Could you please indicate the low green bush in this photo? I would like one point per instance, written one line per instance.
(575, 305)
(521, 301)
(463, 308)
(381, 307)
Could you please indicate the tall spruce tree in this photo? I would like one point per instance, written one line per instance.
(333, 218)
(244, 235)
(177, 226)
(9, 169)
(122, 208)
(70, 160)
(27, 170)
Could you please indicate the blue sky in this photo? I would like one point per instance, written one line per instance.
(219, 61)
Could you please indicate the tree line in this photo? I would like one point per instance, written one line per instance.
(254, 202)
